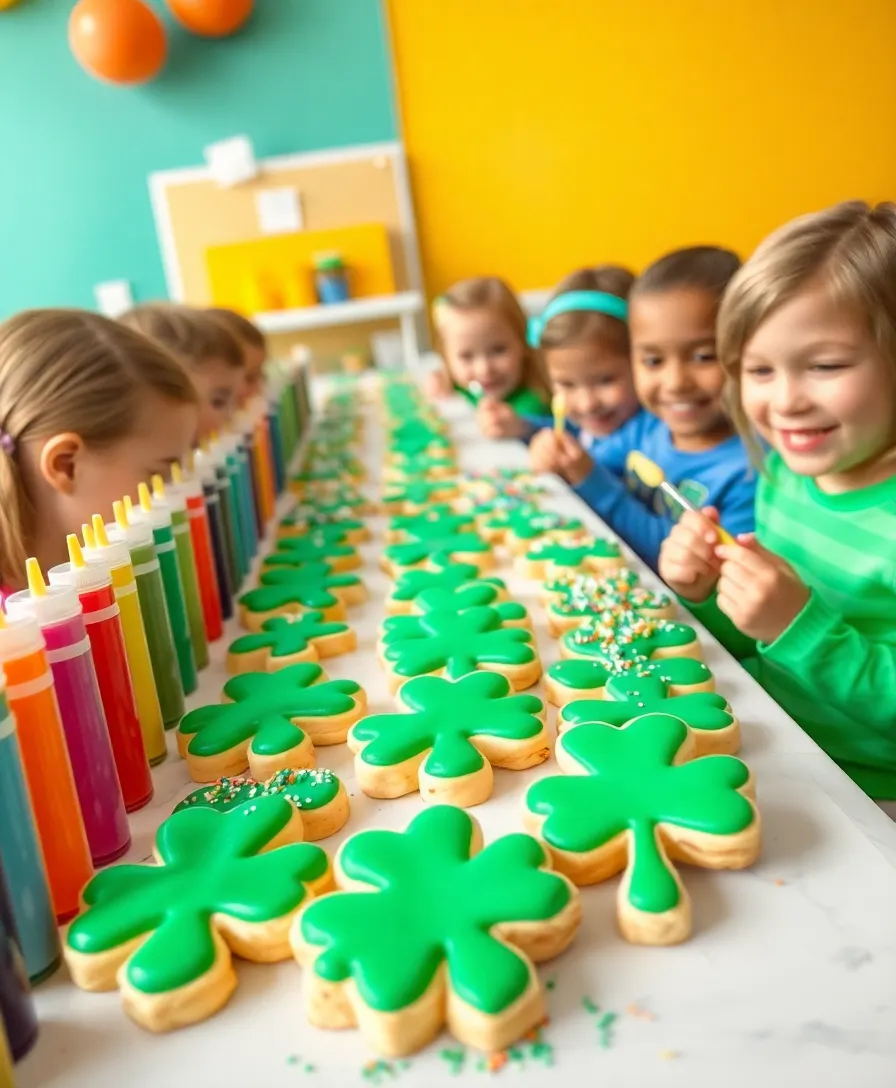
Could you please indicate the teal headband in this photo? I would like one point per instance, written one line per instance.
(597, 302)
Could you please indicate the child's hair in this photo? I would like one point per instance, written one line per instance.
(703, 268)
(67, 370)
(491, 293)
(574, 326)
(850, 248)
(240, 327)
(192, 335)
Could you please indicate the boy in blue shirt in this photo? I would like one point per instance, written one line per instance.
(685, 430)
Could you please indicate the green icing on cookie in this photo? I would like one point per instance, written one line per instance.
(423, 464)
(630, 696)
(336, 502)
(587, 675)
(212, 863)
(265, 710)
(571, 554)
(443, 716)
(585, 595)
(433, 904)
(287, 635)
(458, 642)
(626, 636)
(415, 436)
(336, 524)
(447, 576)
(304, 789)
(318, 545)
(529, 522)
(307, 585)
(629, 782)
(436, 520)
(418, 492)
(447, 544)
(471, 595)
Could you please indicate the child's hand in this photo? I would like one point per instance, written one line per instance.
(760, 592)
(437, 385)
(498, 420)
(688, 562)
(561, 455)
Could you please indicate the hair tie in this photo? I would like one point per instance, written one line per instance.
(7, 443)
(597, 302)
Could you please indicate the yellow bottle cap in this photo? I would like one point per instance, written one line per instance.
(99, 530)
(75, 555)
(88, 536)
(145, 497)
(36, 583)
(121, 516)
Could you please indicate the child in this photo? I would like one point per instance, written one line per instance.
(254, 347)
(685, 430)
(212, 355)
(88, 409)
(482, 332)
(583, 336)
(807, 334)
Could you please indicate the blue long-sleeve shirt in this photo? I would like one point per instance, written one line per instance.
(720, 477)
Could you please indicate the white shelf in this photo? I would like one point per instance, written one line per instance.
(404, 304)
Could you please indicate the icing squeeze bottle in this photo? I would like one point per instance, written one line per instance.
(275, 439)
(243, 452)
(31, 696)
(92, 581)
(61, 620)
(17, 1010)
(174, 501)
(22, 857)
(226, 461)
(151, 594)
(249, 449)
(124, 584)
(159, 520)
(189, 487)
(205, 470)
(242, 504)
(264, 473)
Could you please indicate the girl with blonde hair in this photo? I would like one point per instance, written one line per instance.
(481, 329)
(88, 409)
(807, 335)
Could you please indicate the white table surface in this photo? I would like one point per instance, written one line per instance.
(789, 977)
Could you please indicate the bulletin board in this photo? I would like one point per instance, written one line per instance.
(338, 188)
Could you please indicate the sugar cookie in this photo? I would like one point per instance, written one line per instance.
(439, 519)
(472, 595)
(451, 734)
(632, 798)
(272, 722)
(309, 587)
(519, 527)
(286, 640)
(571, 600)
(454, 643)
(462, 547)
(317, 547)
(420, 465)
(577, 679)
(442, 575)
(339, 524)
(165, 934)
(466, 923)
(547, 559)
(414, 496)
(626, 636)
(319, 796)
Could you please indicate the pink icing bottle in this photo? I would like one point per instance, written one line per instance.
(60, 617)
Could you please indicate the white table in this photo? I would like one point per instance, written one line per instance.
(789, 977)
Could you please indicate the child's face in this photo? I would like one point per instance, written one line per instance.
(677, 375)
(253, 372)
(596, 383)
(817, 388)
(481, 346)
(219, 385)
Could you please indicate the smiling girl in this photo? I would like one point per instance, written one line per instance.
(807, 334)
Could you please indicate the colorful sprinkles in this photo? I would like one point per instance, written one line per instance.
(228, 791)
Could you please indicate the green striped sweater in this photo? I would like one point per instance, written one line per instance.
(834, 668)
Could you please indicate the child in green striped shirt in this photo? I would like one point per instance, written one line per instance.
(807, 333)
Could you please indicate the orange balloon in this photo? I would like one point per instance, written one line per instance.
(121, 41)
(211, 18)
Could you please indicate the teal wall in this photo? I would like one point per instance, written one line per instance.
(75, 153)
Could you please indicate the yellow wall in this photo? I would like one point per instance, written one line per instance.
(548, 134)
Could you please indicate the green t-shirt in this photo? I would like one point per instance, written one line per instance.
(524, 401)
(834, 668)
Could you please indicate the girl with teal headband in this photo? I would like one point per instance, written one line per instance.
(482, 333)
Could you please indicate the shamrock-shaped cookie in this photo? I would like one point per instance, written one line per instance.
(448, 739)
(416, 436)
(521, 525)
(339, 524)
(431, 929)
(463, 547)
(627, 696)
(439, 519)
(626, 636)
(631, 798)
(319, 796)
(427, 466)
(309, 587)
(261, 727)
(577, 678)
(547, 559)
(317, 547)
(413, 495)
(454, 643)
(163, 933)
(571, 600)
(515, 483)
(472, 595)
(444, 575)
(286, 640)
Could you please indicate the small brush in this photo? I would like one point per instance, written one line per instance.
(650, 473)
(558, 410)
